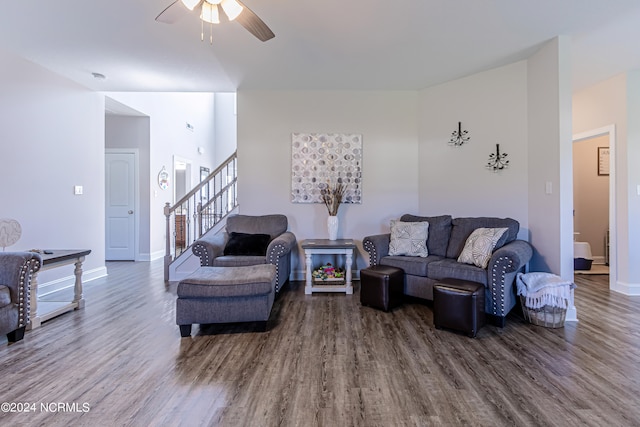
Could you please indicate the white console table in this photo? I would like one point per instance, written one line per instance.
(331, 247)
(42, 311)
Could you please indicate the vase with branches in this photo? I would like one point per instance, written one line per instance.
(332, 198)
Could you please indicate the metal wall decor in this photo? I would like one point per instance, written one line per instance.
(319, 160)
(459, 137)
(163, 178)
(497, 161)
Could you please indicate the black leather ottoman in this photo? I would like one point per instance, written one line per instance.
(458, 305)
(381, 287)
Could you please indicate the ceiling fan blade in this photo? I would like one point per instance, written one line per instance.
(252, 23)
(172, 13)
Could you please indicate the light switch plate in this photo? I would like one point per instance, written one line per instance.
(77, 190)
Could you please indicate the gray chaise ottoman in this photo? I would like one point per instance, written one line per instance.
(226, 295)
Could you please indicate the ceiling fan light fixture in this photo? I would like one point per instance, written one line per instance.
(190, 4)
(210, 13)
(231, 8)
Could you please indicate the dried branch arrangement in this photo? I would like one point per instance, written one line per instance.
(333, 196)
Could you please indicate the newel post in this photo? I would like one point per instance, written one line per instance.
(167, 253)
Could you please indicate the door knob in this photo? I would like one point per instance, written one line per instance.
(130, 212)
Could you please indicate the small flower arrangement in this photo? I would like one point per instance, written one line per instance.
(328, 272)
(333, 196)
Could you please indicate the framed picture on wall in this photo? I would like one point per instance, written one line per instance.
(603, 161)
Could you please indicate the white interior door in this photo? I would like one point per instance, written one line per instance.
(120, 206)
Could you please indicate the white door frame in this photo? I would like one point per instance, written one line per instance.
(609, 131)
(136, 196)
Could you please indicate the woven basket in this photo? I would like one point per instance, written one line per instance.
(547, 316)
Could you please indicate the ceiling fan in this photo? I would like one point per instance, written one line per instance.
(210, 13)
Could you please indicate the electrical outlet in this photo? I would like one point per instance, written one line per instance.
(77, 190)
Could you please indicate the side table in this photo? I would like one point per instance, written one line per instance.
(331, 247)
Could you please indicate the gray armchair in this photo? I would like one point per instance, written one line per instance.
(16, 270)
(243, 234)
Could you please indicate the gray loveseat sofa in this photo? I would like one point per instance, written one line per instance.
(248, 230)
(445, 241)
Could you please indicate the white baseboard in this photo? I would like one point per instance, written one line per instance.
(631, 289)
(571, 315)
(151, 257)
(69, 281)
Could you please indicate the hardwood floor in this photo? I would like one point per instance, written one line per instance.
(326, 361)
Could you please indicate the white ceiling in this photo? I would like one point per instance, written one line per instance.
(330, 44)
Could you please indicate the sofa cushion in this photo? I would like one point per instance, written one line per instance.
(462, 228)
(479, 246)
(247, 244)
(238, 260)
(439, 231)
(448, 268)
(416, 266)
(409, 238)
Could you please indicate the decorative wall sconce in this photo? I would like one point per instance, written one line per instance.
(497, 161)
(459, 137)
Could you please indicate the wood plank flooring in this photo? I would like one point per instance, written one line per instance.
(326, 361)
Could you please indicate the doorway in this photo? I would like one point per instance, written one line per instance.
(181, 178)
(595, 197)
(121, 213)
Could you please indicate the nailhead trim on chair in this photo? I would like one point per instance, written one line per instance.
(202, 253)
(24, 291)
(371, 249)
(499, 269)
(274, 257)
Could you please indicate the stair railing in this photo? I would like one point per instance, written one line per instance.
(200, 210)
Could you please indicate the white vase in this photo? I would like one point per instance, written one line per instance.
(332, 226)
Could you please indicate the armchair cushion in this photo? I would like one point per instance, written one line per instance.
(247, 244)
(273, 225)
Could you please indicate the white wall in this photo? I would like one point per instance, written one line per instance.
(225, 126)
(549, 153)
(453, 180)
(169, 113)
(51, 139)
(387, 122)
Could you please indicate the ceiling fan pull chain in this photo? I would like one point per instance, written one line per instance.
(211, 33)
(202, 31)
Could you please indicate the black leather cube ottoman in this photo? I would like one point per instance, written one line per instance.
(381, 287)
(458, 305)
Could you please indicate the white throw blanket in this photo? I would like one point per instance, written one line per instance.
(540, 289)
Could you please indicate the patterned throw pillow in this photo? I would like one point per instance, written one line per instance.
(409, 238)
(479, 246)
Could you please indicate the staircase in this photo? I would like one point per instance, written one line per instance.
(200, 210)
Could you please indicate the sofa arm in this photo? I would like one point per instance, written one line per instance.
(377, 246)
(16, 272)
(209, 247)
(505, 263)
